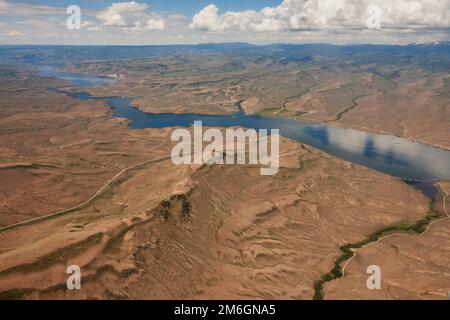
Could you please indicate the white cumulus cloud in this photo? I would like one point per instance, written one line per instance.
(149, 25)
(326, 14)
(155, 24)
(118, 13)
(89, 25)
(131, 16)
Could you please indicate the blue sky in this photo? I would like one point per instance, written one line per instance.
(141, 22)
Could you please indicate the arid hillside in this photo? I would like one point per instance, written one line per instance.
(142, 227)
(412, 267)
(160, 231)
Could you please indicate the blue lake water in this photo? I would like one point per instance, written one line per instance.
(385, 153)
(79, 80)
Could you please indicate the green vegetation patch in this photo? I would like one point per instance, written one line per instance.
(347, 252)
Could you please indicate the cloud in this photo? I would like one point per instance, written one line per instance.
(26, 9)
(155, 24)
(295, 21)
(117, 13)
(322, 14)
(150, 25)
(89, 25)
(177, 17)
(131, 17)
(15, 33)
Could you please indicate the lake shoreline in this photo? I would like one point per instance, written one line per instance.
(389, 154)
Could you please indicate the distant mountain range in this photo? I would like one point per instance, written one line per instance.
(423, 53)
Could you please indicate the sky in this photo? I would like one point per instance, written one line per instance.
(146, 22)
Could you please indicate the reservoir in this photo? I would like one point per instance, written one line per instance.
(385, 153)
